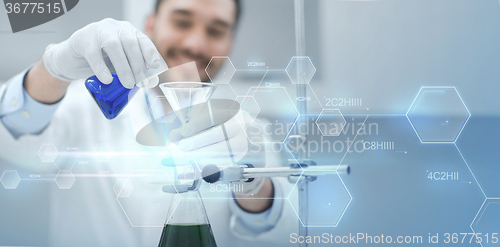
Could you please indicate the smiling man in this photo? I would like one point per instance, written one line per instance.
(48, 103)
(192, 30)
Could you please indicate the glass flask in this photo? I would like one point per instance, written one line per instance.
(187, 224)
(111, 98)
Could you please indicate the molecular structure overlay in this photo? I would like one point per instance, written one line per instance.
(420, 167)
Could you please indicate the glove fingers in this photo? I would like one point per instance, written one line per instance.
(150, 53)
(134, 55)
(116, 54)
(151, 82)
(96, 62)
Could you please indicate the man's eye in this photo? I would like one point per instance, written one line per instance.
(183, 24)
(216, 33)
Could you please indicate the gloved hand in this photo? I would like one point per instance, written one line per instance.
(81, 56)
(198, 140)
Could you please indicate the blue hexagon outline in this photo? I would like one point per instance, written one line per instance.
(341, 215)
(319, 116)
(3, 174)
(291, 127)
(480, 188)
(470, 170)
(65, 188)
(486, 199)
(230, 87)
(253, 101)
(248, 93)
(463, 125)
(116, 183)
(319, 102)
(43, 144)
(301, 57)
(219, 57)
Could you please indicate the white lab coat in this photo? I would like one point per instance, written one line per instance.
(89, 214)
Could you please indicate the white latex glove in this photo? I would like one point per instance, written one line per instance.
(128, 50)
(199, 141)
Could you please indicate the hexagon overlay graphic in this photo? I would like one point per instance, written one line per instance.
(438, 114)
(486, 222)
(67, 157)
(311, 100)
(247, 104)
(65, 179)
(243, 80)
(158, 111)
(224, 74)
(48, 152)
(123, 188)
(276, 117)
(102, 152)
(330, 122)
(307, 70)
(86, 164)
(328, 200)
(224, 92)
(10, 179)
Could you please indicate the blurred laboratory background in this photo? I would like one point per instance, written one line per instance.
(379, 51)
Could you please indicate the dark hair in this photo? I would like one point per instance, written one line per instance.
(236, 2)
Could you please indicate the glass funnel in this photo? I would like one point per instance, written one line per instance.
(187, 223)
(187, 98)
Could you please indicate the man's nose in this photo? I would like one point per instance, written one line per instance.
(196, 41)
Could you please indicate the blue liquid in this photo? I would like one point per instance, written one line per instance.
(111, 98)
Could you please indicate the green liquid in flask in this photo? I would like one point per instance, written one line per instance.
(187, 235)
(187, 224)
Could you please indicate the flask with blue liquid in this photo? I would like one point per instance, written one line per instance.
(112, 98)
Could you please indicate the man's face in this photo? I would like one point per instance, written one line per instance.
(193, 30)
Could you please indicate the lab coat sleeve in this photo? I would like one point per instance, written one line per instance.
(19, 112)
(273, 225)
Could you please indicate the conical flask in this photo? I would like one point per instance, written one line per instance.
(111, 98)
(187, 223)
